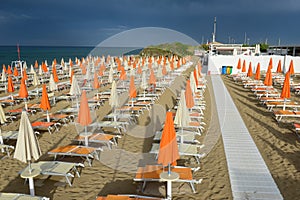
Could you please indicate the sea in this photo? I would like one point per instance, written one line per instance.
(41, 53)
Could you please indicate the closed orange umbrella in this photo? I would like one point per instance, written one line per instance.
(72, 74)
(96, 84)
(139, 70)
(9, 70)
(164, 70)
(36, 64)
(55, 77)
(268, 79)
(16, 73)
(291, 68)
(152, 79)
(23, 93)
(84, 115)
(189, 95)
(123, 73)
(239, 65)
(257, 72)
(25, 75)
(10, 86)
(168, 148)
(44, 67)
(250, 73)
(45, 104)
(279, 70)
(244, 66)
(196, 77)
(132, 89)
(270, 64)
(286, 89)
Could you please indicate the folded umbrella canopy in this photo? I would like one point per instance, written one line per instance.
(27, 147)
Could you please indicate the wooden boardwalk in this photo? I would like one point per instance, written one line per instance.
(249, 176)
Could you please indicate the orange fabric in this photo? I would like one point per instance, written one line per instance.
(239, 64)
(36, 64)
(9, 70)
(16, 73)
(257, 72)
(270, 64)
(139, 70)
(279, 70)
(73, 149)
(132, 88)
(168, 149)
(189, 95)
(164, 70)
(23, 93)
(268, 79)
(43, 124)
(44, 67)
(244, 66)
(45, 104)
(196, 77)
(152, 79)
(123, 74)
(84, 116)
(10, 85)
(286, 90)
(291, 68)
(55, 77)
(72, 74)
(250, 73)
(25, 74)
(96, 84)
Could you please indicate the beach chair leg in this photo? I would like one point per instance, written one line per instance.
(68, 180)
(144, 186)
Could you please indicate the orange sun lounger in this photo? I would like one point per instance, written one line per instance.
(50, 126)
(151, 173)
(285, 113)
(127, 197)
(76, 150)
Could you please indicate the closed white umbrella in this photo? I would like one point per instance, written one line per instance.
(193, 83)
(35, 80)
(3, 77)
(52, 84)
(75, 90)
(182, 118)
(40, 70)
(31, 69)
(114, 98)
(27, 148)
(2, 115)
(144, 83)
(111, 75)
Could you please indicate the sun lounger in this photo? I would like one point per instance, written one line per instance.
(127, 197)
(289, 104)
(56, 168)
(4, 148)
(152, 173)
(188, 136)
(184, 150)
(297, 128)
(111, 124)
(121, 117)
(49, 126)
(16, 196)
(64, 118)
(107, 139)
(75, 150)
(264, 100)
(285, 113)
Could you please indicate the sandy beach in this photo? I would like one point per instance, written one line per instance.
(116, 175)
(277, 142)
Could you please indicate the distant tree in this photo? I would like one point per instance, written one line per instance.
(264, 47)
(205, 47)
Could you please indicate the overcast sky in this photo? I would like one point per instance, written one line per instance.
(89, 22)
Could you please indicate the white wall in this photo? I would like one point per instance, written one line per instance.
(215, 63)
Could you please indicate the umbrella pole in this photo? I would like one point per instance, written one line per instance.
(86, 137)
(48, 117)
(25, 102)
(31, 186)
(284, 101)
(169, 184)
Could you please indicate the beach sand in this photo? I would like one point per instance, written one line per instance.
(114, 173)
(277, 143)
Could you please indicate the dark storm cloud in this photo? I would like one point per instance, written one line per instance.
(88, 22)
